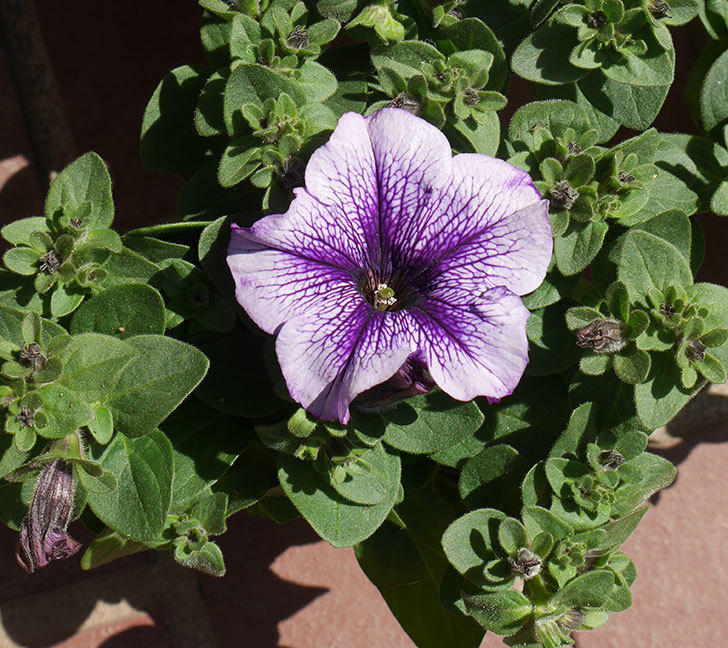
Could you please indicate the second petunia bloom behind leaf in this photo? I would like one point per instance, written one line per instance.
(396, 250)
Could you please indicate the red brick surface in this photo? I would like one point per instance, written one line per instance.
(138, 631)
(285, 587)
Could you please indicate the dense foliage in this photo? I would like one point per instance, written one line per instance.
(127, 358)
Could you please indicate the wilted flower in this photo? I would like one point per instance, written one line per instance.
(43, 533)
(395, 249)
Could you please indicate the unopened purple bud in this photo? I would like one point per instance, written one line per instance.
(602, 336)
(412, 379)
(43, 536)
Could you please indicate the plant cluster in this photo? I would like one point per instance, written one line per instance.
(138, 396)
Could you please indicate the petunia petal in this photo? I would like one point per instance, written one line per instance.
(273, 286)
(513, 251)
(328, 359)
(341, 176)
(313, 230)
(413, 161)
(474, 345)
(481, 192)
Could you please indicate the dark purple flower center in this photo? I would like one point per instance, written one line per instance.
(388, 293)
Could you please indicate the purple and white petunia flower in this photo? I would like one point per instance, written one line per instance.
(396, 252)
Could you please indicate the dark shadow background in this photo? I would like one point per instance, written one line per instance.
(244, 606)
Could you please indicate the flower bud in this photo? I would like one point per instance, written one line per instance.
(602, 336)
(50, 262)
(43, 536)
(596, 19)
(406, 102)
(563, 195)
(298, 38)
(412, 379)
(33, 356)
(696, 350)
(526, 563)
(660, 9)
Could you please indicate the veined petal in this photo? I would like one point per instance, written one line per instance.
(329, 358)
(481, 193)
(513, 251)
(315, 231)
(273, 285)
(341, 175)
(474, 344)
(413, 160)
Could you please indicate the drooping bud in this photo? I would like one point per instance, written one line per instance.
(412, 379)
(563, 195)
(43, 533)
(602, 336)
(526, 563)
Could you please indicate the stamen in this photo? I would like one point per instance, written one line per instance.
(383, 297)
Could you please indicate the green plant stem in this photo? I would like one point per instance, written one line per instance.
(537, 591)
(166, 228)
